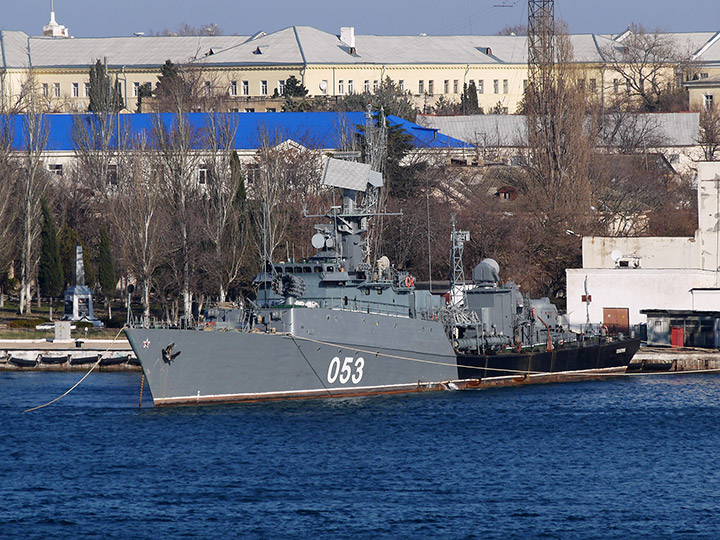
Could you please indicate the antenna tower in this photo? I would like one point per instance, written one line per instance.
(541, 48)
(458, 239)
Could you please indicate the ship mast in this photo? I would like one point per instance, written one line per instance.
(457, 244)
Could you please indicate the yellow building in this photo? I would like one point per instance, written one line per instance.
(249, 69)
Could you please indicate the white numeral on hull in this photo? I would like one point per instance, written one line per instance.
(349, 369)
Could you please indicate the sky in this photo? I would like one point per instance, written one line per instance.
(88, 18)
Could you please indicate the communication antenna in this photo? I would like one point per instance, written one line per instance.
(458, 239)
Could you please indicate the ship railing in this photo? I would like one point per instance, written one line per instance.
(361, 306)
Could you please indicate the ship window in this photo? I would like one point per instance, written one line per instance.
(328, 268)
(366, 291)
(289, 269)
(279, 269)
(317, 269)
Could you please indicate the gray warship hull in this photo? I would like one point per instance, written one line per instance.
(386, 355)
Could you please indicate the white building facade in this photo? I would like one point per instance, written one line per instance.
(651, 273)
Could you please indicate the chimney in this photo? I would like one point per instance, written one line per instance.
(347, 36)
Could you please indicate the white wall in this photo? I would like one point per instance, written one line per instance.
(657, 252)
(634, 289)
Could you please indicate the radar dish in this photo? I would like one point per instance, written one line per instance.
(492, 263)
(346, 174)
(318, 241)
(329, 242)
(616, 255)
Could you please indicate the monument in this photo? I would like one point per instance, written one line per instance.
(78, 297)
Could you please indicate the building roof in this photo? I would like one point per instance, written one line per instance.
(665, 129)
(308, 45)
(146, 51)
(318, 130)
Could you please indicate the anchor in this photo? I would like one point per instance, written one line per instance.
(168, 355)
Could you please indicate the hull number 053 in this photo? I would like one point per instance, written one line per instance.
(349, 369)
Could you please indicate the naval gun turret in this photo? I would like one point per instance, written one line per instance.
(505, 318)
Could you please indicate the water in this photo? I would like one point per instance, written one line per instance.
(623, 458)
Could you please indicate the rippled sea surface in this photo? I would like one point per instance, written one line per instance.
(623, 458)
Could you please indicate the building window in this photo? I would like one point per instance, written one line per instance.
(341, 87)
(351, 87)
(581, 85)
(376, 85)
(87, 89)
(505, 86)
(245, 88)
(401, 85)
(627, 86)
(593, 85)
(75, 89)
(56, 169)
(249, 109)
(234, 109)
(112, 175)
(208, 88)
(525, 83)
(496, 86)
(136, 89)
(431, 87)
(233, 88)
(270, 109)
(708, 101)
(281, 87)
(263, 88)
(481, 86)
(616, 85)
(421, 87)
(56, 89)
(366, 87)
(45, 90)
(704, 75)
(203, 175)
(446, 87)
(455, 86)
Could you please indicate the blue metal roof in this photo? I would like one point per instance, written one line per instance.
(311, 129)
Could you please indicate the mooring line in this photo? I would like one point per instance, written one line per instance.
(96, 364)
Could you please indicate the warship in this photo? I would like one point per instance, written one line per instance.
(337, 325)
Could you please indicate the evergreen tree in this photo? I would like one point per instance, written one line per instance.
(469, 100)
(294, 88)
(50, 273)
(236, 171)
(104, 95)
(106, 266)
(145, 91)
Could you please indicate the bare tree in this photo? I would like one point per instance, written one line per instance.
(138, 214)
(31, 186)
(650, 65)
(176, 147)
(710, 133)
(223, 206)
(628, 132)
(285, 173)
